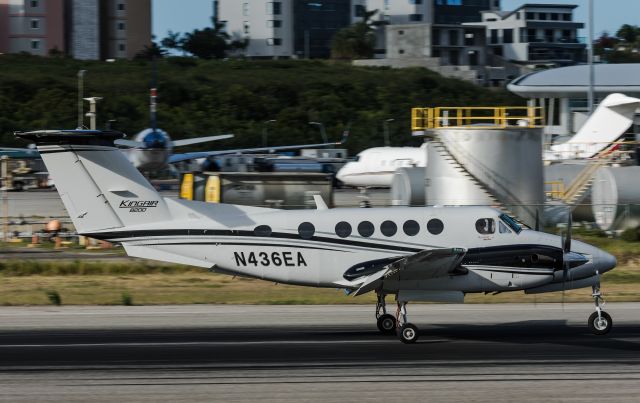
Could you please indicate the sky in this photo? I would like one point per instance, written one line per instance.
(187, 15)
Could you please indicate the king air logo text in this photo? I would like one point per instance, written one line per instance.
(138, 206)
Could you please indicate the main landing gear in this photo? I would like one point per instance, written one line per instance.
(386, 322)
(600, 322)
(407, 332)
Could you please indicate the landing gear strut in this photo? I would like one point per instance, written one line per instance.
(386, 322)
(407, 332)
(600, 322)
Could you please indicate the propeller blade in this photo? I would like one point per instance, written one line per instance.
(566, 248)
(537, 220)
(567, 241)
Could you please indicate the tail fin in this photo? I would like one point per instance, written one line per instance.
(606, 124)
(98, 185)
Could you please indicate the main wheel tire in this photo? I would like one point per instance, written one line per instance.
(387, 324)
(600, 325)
(408, 333)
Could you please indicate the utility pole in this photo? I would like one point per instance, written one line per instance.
(265, 131)
(81, 74)
(4, 169)
(592, 72)
(92, 114)
(387, 141)
(323, 132)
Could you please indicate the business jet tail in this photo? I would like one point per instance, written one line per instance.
(606, 124)
(98, 185)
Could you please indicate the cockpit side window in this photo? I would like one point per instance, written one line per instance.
(511, 223)
(486, 226)
(503, 228)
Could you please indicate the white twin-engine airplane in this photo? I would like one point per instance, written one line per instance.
(415, 254)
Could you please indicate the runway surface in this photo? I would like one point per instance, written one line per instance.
(493, 353)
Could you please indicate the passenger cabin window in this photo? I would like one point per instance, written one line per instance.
(388, 228)
(343, 229)
(262, 230)
(435, 226)
(365, 229)
(511, 223)
(306, 230)
(486, 226)
(411, 228)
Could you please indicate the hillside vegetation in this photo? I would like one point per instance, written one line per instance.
(198, 97)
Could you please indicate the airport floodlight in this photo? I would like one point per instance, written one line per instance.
(265, 131)
(323, 132)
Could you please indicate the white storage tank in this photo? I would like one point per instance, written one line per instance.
(616, 198)
(407, 187)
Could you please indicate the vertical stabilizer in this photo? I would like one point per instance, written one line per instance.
(98, 185)
(606, 124)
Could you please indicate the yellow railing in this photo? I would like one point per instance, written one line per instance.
(554, 189)
(471, 117)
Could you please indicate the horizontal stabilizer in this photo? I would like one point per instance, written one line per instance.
(198, 140)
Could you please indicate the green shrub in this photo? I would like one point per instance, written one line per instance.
(631, 234)
(54, 297)
(126, 299)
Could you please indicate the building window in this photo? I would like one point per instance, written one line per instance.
(120, 6)
(518, 15)
(343, 229)
(507, 36)
(469, 39)
(453, 37)
(531, 35)
(435, 226)
(411, 228)
(494, 36)
(35, 44)
(366, 229)
(35, 24)
(306, 230)
(245, 9)
(415, 1)
(486, 226)
(122, 47)
(274, 23)
(554, 16)
(359, 10)
(400, 32)
(415, 17)
(274, 41)
(245, 27)
(566, 17)
(531, 16)
(121, 26)
(274, 8)
(34, 3)
(542, 16)
(262, 230)
(388, 228)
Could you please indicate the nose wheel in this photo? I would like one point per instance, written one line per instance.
(599, 322)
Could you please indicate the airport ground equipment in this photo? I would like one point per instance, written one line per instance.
(414, 254)
(287, 190)
(484, 156)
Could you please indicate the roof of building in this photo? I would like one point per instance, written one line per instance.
(506, 14)
(572, 80)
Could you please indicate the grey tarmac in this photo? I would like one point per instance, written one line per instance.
(202, 353)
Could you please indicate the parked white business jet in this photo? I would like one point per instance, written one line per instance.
(374, 167)
(415, 254)
(611, 119)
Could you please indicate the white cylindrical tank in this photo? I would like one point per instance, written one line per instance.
(616, 198)
(486, 166)
(407, 187)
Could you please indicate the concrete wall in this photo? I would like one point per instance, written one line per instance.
(35, 30)
(85, 29)
(138, 26)
(408, 41)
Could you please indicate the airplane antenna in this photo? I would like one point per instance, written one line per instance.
(153, 95)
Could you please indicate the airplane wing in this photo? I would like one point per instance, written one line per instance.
(420, 266)
(197, 140)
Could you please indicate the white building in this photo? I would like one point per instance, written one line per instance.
(535, 34)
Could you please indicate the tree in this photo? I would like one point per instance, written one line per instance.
(208, 43)
(151, 51)
(356, 41)
(172, 41)
(629, 33)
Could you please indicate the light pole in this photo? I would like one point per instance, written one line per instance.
(81, 74)
(387, 142)
(592, 73)
(92, 114)
(323, 133)
(264, 131)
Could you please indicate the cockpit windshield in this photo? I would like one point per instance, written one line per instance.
(511, 223)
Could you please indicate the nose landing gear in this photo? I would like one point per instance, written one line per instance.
(599, 322)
